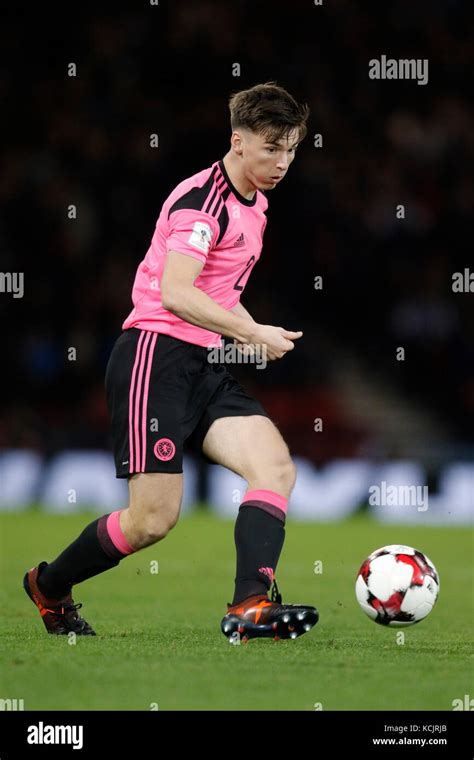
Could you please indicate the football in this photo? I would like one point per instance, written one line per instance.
(397, 585)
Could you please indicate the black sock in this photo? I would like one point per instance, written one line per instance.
(90, 554)
(259, 538)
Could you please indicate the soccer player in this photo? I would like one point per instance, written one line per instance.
(161, 388)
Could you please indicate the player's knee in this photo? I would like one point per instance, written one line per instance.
(281, 474)
(287, 470)
(156, 527)
(155, 530)
(154, 522)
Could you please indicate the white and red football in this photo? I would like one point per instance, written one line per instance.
(397, 585)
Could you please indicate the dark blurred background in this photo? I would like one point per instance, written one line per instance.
(387, 282)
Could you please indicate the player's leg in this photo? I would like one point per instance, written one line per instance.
(143, 395)
(154, 507)
(155, 502)
(253, 447)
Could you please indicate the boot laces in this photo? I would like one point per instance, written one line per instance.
(276, 596)
(61, 609)
(72, 619)
(72, 607)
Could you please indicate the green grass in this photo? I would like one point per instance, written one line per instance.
(159, 638)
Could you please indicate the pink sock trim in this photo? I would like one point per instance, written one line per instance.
(271, 497)
(116, 534)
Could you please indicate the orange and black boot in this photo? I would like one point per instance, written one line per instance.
(258, 616)
(59, 616)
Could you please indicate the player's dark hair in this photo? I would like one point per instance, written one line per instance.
(269, 110)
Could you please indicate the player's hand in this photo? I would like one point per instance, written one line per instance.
(246, 349)
(276, 340)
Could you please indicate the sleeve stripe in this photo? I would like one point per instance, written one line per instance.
(210, 199)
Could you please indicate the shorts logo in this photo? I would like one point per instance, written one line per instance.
(164, 449)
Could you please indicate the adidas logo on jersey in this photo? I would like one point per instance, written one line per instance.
(240, 240)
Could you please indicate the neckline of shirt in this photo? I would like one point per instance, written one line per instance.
(240, 198)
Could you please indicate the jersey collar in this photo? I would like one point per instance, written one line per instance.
(240, 198)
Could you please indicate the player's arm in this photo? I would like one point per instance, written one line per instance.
(248, 349)
(181, 297)
(192, 233)
(242, 311)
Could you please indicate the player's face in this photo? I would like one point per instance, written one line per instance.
(266, 163)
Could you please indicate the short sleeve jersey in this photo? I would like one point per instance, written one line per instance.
(207, 218)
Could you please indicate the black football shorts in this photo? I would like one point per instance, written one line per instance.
(162, 391)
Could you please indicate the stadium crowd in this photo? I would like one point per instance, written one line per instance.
(84, 140)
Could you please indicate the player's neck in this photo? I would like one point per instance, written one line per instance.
(236, 176)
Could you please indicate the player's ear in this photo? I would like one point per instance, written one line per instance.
(236, 142)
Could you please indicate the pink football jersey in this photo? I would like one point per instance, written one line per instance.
(207, 218)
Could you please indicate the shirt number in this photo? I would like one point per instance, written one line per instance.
(247, 267)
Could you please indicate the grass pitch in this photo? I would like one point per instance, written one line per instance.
(159, 644)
